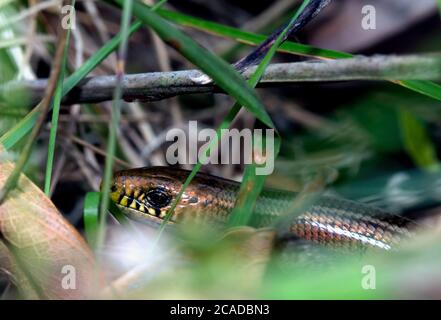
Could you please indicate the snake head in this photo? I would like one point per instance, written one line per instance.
(140, 198)
(147, 194)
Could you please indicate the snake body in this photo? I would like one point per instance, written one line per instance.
(146, 194)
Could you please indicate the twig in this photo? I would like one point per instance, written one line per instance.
(30, 35)
(146, 131)
(19, 41)
(97, 20)
(97, 150)
(43, 108)
(88, 173)
(92, 118)
(130, 150)
(161, 85)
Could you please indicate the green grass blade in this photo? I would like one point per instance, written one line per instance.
(427, 88)
(417, 142)
(252, 184)
(114, 122)
(90, 215)
(55, 113)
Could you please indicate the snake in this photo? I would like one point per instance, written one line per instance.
(146, 195)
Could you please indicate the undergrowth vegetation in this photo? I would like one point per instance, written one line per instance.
(375, 142)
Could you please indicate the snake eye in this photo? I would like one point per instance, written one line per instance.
(158, 198)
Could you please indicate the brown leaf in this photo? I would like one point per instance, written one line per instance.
(43, 242)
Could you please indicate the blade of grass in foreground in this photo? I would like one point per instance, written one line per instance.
(252, 184)
(417, 142)
(115, 116)
(427, 88)
(439, 6)
(95, 221)
(90, 215)
(55, 113)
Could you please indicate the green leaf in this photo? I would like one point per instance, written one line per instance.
(439, 5)
(417, 141)
(91, 215)
(428, 88)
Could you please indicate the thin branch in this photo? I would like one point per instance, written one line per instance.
(97, 150)
(161, 85)
(19, 41)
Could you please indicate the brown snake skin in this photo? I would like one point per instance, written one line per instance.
(146, 194)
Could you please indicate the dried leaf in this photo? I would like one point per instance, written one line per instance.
(55, 258)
